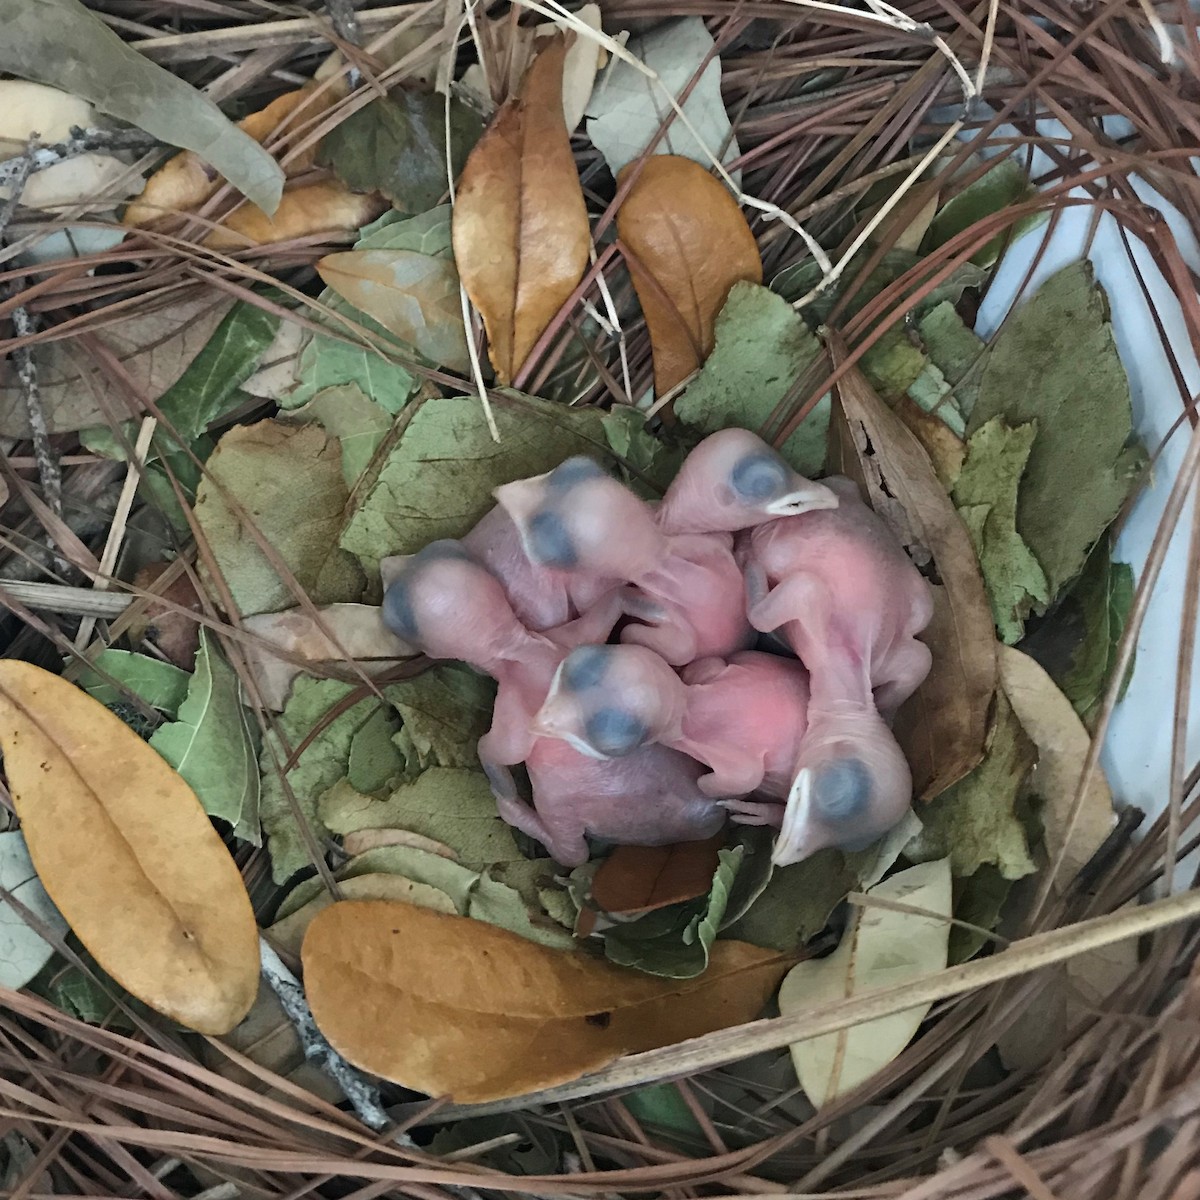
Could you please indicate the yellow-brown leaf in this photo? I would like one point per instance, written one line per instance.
(448, 1005)
(327, 206)
(520, 226)
(127, 853)
(184, 182)
(686, 244)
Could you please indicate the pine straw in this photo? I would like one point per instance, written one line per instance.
(1116, 1112)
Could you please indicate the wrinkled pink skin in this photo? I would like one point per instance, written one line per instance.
(451, 607)
(847, 600)
(744, 718)
(732, 481)
(688, 597)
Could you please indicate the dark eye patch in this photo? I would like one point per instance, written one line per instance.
(398, 614)
(584, 668)
(615, 732)
(842, 789)
(574, 471)
(759, 477)
(550, 542)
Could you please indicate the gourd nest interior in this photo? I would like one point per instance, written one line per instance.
(897, 169)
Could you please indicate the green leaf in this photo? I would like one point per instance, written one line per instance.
(154, 682)
(762, 346)
(1055, 362)
(628, 105)
(956, 351)
(23, 951)
(323, 762)
(1077, 643)
(978, 900)
(976, 821)
(675, 941)
(650, 459)
(445, 711)
(288, 482)
(213, 746)
(397, 145)
(329, 362)
(503, 906)
(662, 1107)
(375, 763)
(796, 903)
(203, 393)
(985, 493)
(451, 805)
(1004, 185)
(413, 296)
(438, 481)
(63, 44)
(359, 424)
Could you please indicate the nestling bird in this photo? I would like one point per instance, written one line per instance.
(848, 601)
(450, 606)
(743, 718)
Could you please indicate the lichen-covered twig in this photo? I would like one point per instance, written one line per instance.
(14, 171)
(48, 467)
(363, 1095)
(345, 20)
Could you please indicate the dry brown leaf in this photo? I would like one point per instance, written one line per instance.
(327, 206)
(362, 840)
(1081, 985)
(520, 225)
(687, 244)
(154, 347)
(288, 934)
(636, 879)
(944, 726)
(185, 181)
(358, 633)
(945, 448)
(175, 633)
(127, 854)
(448, 1005)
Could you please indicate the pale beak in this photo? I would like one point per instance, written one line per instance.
(805, 498)
(795, 843)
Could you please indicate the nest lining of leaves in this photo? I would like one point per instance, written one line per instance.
(305, 429)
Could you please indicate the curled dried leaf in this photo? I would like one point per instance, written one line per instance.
(127, 854)
(327, 206)
(686, 244)
(520, 223)
(637, 879)
(944, 726)
(448, 1005)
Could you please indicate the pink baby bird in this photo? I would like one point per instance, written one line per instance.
(743, 718)
(849, 603)
(688, 598)
(451, 607)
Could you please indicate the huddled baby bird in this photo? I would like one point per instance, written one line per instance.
(622, 636)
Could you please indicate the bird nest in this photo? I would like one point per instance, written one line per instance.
(840, 112)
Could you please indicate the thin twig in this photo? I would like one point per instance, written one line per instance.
(14, 171)
(49, 470)
(363, 1096)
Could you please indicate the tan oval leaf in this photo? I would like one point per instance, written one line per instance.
(448, 1005)
(883, 948)
(127, 854)
(686, 243)
(413, 295)
(327, 206)
(520, 226)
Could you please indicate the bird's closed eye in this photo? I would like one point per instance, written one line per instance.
(842, 789)
(759, 477)
(615, 732)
